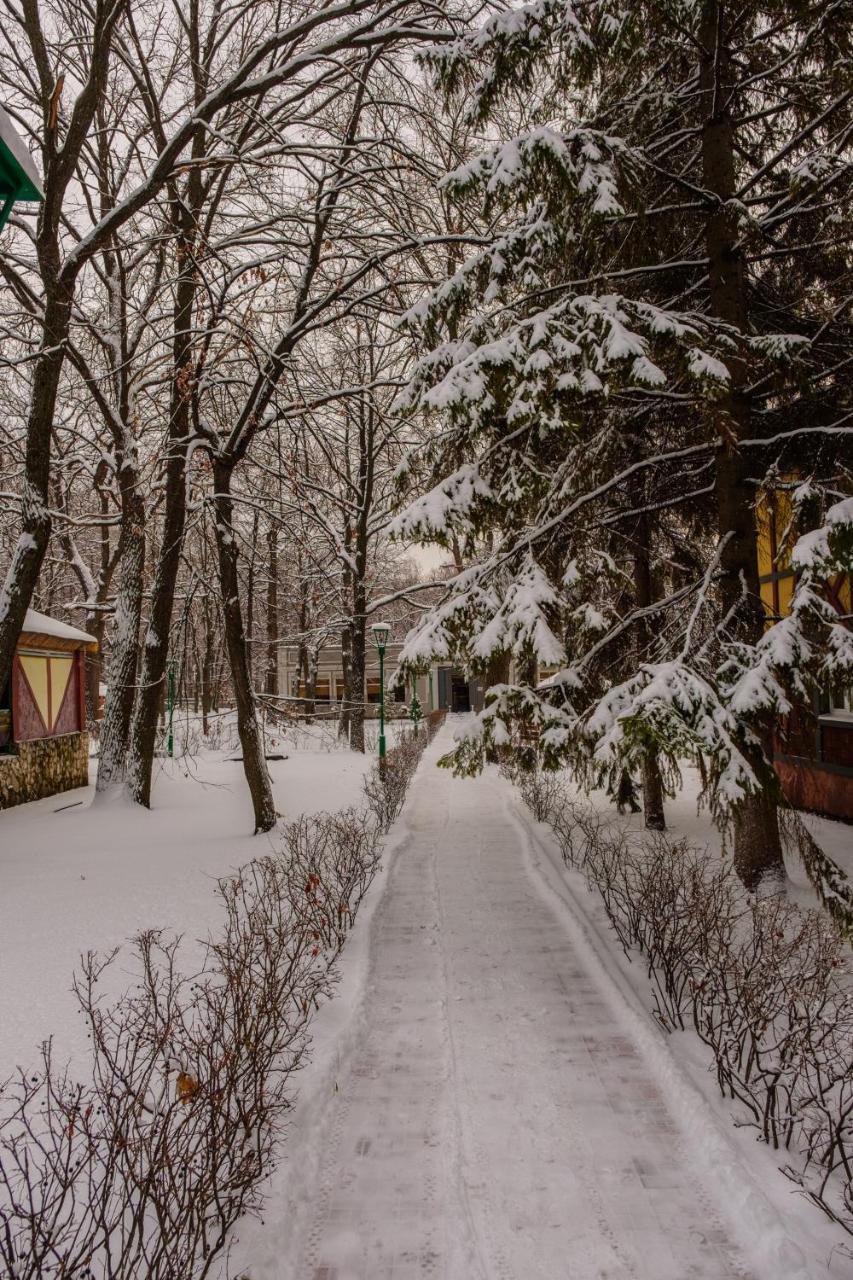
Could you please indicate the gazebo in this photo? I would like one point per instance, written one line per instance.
(44, 746)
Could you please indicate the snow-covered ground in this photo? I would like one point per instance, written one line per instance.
(78, 873)
(489, 1098)
(686, 818)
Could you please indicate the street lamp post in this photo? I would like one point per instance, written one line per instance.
(381, 631)
(19, 179)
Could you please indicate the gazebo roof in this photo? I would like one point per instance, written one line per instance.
(39, 627)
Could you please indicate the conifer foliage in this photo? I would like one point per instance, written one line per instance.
(656, 333)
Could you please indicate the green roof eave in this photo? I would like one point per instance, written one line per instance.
(19, 178)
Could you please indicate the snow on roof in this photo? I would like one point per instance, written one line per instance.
(13, 140)
(45, 626)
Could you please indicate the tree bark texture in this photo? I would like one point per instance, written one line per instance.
(653, 799)
(758, 847)
(271, 683)
(124, 648)
(251, 738)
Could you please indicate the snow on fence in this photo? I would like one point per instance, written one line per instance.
(144, 1169)
(765, 984)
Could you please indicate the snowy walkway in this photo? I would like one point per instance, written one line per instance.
(493, 1122)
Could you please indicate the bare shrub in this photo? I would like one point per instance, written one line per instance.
(143, 1170)
(328, 863)
(386, 784)
(764, 982)
(542, 792)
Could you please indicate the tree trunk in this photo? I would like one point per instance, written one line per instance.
(357, 669)
(345, 720)
(345, 717)
(95, 625)
(313, 671)
(156, 648)
(653, 803)
(207, 672)
(250, 600)
(124, 649)
(272, 612)
(17, 590)
(758, 847)
(653, 809)
(251, 738)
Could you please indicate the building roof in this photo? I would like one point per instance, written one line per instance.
(40, 624)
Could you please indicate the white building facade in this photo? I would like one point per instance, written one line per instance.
(442, 688)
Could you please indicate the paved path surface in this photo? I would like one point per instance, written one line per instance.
(493, 1121)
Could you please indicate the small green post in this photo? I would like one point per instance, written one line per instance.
(381, 704)
(380, 636)
(170, 742)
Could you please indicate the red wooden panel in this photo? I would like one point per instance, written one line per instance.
(27, 723)
(68, 720)
(837, 743)
(810, 787)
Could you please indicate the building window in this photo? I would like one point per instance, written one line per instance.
(839, 705)
(299, 689)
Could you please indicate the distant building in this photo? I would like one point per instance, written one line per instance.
(443, 687)
(44, 746)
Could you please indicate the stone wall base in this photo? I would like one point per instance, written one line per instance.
(44, 767)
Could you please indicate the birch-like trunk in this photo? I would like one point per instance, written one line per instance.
(251, 738)
(271, 683)
(124, 648)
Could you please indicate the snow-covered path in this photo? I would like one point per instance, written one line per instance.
(491, 1121)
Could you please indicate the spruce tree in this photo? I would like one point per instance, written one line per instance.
(658, 328)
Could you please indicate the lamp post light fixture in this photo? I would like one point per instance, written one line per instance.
(381, 631)
(19, 179)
